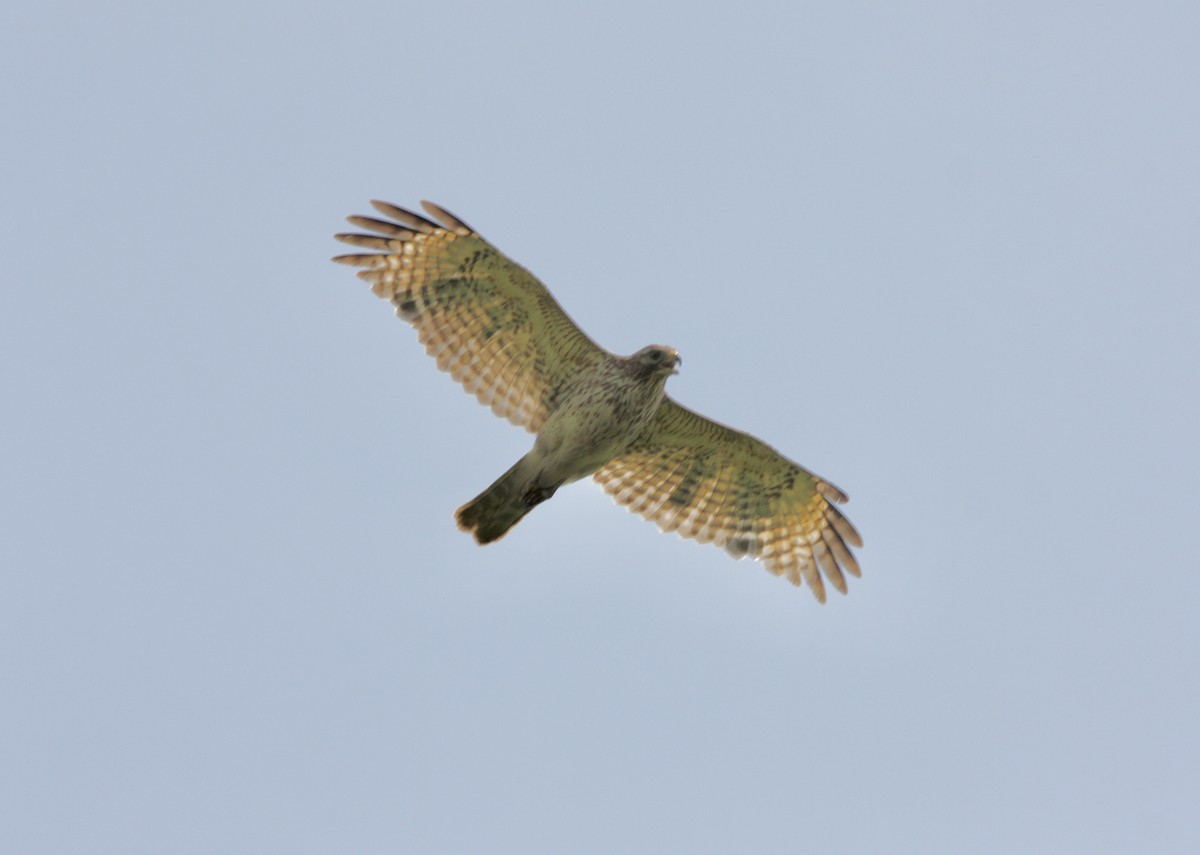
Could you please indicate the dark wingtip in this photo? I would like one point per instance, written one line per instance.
(446, 218)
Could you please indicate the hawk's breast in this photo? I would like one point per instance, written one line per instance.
(597, 417)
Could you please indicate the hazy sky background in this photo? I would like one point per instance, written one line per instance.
(944, 254)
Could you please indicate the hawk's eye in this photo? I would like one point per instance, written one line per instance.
(656, 356)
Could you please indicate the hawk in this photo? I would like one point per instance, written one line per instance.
(495, 328)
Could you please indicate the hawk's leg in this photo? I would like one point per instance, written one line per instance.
(537, 495)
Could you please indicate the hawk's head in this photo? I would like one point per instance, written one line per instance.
(656, 359)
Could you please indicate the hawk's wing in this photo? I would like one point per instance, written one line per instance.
(701, 479)
(487, 320)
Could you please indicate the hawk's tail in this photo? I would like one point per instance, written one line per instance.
(493, 512)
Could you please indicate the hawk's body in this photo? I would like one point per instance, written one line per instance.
(596, 418)
(498, 331)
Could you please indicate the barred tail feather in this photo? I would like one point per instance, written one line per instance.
(493, 512)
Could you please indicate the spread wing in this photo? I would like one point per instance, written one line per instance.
(485, 319)
(701, 479)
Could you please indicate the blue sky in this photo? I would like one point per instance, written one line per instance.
(943, 254)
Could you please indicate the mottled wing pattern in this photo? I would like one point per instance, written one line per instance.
(485, 319)
(701, 479)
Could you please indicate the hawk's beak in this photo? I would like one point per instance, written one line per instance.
(676, 364)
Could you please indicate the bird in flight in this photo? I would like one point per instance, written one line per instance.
(497, 330)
